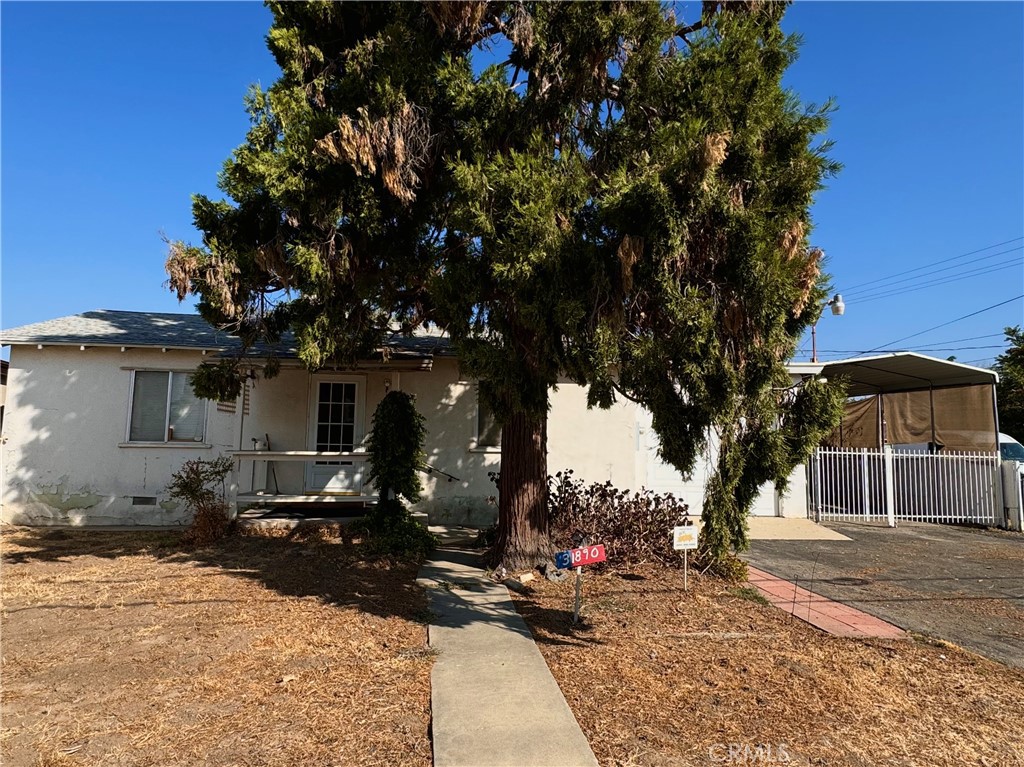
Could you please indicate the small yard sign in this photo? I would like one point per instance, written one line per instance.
(685, 537)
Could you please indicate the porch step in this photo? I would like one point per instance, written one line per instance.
(271, 498)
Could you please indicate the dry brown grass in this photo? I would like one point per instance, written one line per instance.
(126, 649)
(662, 677)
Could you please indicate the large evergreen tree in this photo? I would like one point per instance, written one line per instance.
(597, 190)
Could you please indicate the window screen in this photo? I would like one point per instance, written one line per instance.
(151, 418)
(149, 407)
(187, 411)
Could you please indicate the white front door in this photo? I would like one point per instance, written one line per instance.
(336, 425)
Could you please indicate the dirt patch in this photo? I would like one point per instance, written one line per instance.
(126, 649)
(657, 676)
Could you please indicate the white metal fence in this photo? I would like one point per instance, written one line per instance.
(886, 485)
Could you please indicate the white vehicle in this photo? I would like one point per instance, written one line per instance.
(1011, 450)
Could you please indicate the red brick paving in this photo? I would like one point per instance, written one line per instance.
(833, 617)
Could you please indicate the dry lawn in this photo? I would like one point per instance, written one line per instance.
(657, 676)
(128, 649)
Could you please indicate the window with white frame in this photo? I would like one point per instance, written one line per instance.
(164, 409)
(488, 430)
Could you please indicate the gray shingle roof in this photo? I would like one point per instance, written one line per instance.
(106, 327)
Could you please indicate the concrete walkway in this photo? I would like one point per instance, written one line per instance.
(493, 699)
(821, 612)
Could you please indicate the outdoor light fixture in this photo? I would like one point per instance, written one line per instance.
(838, 309)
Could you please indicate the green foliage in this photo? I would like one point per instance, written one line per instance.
(221, 381)
(729, 567)
(1010, 390)
(624, 200)
(199, 481)
(750, 594)
(395, 444)
(199, 484)
(391, 531)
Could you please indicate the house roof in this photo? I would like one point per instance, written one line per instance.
(904, 371)
(107, 327)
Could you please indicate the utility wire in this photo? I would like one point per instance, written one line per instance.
(929, 275)
(915, 349)
(977, 272)
(944, 324)
(933, 263)
(971, 338)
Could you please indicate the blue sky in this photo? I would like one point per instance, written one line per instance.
(113, 114)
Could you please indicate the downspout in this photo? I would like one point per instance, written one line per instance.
(931, 407)
(880, 401)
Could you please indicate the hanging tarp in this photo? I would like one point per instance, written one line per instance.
(964, 418)
(860, 425)
(951, 418)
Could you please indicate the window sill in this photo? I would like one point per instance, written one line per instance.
(173, 445)
(495, 449)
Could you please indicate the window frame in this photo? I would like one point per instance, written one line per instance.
(475, 444)
(184, 443)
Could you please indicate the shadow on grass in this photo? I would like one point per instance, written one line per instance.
(323, 563)
(309, 564)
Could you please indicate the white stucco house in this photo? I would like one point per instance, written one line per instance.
(99, 414)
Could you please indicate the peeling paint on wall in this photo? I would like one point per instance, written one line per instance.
(60, 498)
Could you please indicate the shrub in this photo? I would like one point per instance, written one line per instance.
(729, 568)
(395, 444)
(634, 527)
(196, 485)
(392, 531)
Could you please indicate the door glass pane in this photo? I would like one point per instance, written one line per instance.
(149, 407)
(188, 412)
(336, 417)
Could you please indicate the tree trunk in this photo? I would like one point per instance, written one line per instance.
(523, 541)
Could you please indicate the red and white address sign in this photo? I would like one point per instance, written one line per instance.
(588, 555)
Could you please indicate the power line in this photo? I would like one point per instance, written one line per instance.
(933, 263)
(971, 338)
(944, 324)
(914, 349)
(928, 276)
(974, 272)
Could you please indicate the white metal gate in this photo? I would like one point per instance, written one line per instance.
(889, 485)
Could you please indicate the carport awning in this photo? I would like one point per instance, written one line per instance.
(904, 371)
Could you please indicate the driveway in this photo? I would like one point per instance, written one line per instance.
(959, 584)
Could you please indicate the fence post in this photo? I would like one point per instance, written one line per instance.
(816, 483)
(1013, 501)
(890, 486)
(865, 488)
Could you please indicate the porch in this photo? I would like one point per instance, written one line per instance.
(344, 488)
